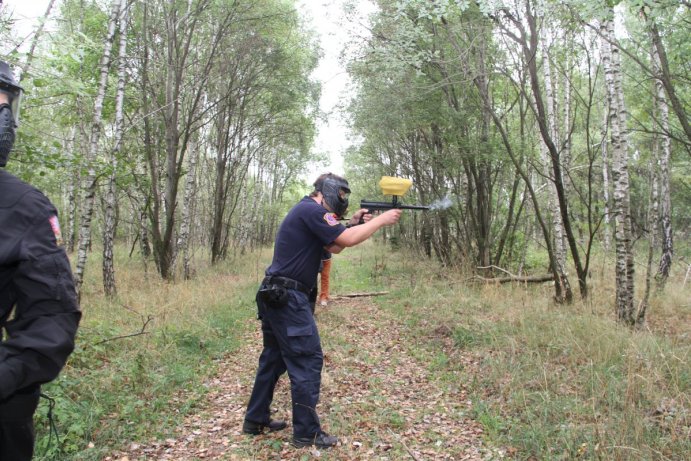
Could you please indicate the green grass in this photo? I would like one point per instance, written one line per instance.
(117, 388)
(546, 381)
(551, 381)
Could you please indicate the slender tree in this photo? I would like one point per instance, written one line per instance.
(663, 163)
(183, 242)
(91, 179)
(620, 176)
(109, 220)
(37, 36)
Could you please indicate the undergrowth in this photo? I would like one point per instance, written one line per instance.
(546, 381)
(549, 381)
(138, 352)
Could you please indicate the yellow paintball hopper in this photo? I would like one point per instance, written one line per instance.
(391, 185)
(396, 187)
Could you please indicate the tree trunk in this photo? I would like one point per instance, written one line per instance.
(529, 44)
(187, 206)
(72, 189)
(109, 222)
(144, 244)
(91, 178)
(553, 200)
(653, 208)
(620, 176)
(559, 294)
(220, 188)
(36, 38)
(245, 224)
(664, 76)
(607, 231)
(664, 177)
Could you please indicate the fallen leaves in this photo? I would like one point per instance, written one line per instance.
(378, 396)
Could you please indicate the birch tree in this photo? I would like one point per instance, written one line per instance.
(653, 207)
(624, 269)
(527, 38)
(174, 99)
(91, 179)
(553, 127)
(109, 219)
(72, 193)
(663, 163)
(183, 241)
(37, 36)
(605, 182)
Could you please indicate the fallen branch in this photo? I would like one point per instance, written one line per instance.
(361, 295)
(142, 332)
(525, 279)
(499, 269)
(400, 440)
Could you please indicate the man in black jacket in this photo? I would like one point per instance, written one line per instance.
(39, 314)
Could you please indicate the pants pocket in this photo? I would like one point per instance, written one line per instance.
(303, 339)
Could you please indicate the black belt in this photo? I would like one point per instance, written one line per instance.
(285, 283)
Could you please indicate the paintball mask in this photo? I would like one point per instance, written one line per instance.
(9, 111)
(336, 193)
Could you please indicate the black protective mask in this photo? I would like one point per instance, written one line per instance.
(336, 194)
(7, 133)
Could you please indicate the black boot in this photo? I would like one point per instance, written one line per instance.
(319, 440)
(249, 427)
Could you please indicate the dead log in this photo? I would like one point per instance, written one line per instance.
(516, 278)
(361, 295)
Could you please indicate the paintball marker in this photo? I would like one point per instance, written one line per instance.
(396, 187)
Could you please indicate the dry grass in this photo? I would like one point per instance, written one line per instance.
(547, 381)
(561, 381)
(137, 351)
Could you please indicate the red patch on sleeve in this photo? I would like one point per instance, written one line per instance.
(55, 225)
(330, 219)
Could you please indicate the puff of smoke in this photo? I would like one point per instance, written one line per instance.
(441, 204)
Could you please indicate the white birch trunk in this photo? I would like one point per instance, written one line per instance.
(109, 284)
(620, 175)
(245, 224)
(607, 231)
(568, 101)
(91, 179)
(653, 217)
(183, 243)
(71, 205)
(258, 221)
(564, 139)
(557, 224)
(187, 205)
(665, 213)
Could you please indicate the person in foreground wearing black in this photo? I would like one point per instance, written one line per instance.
(39, 314)
(290, 337)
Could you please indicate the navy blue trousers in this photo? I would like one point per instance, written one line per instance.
(291, 343)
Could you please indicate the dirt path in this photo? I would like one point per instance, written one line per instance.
(381, 401)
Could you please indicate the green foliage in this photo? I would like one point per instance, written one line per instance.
(550, 383)
(126, 372)
(469, 337)
(420, 114)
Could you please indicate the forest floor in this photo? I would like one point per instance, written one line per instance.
(378, 396)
